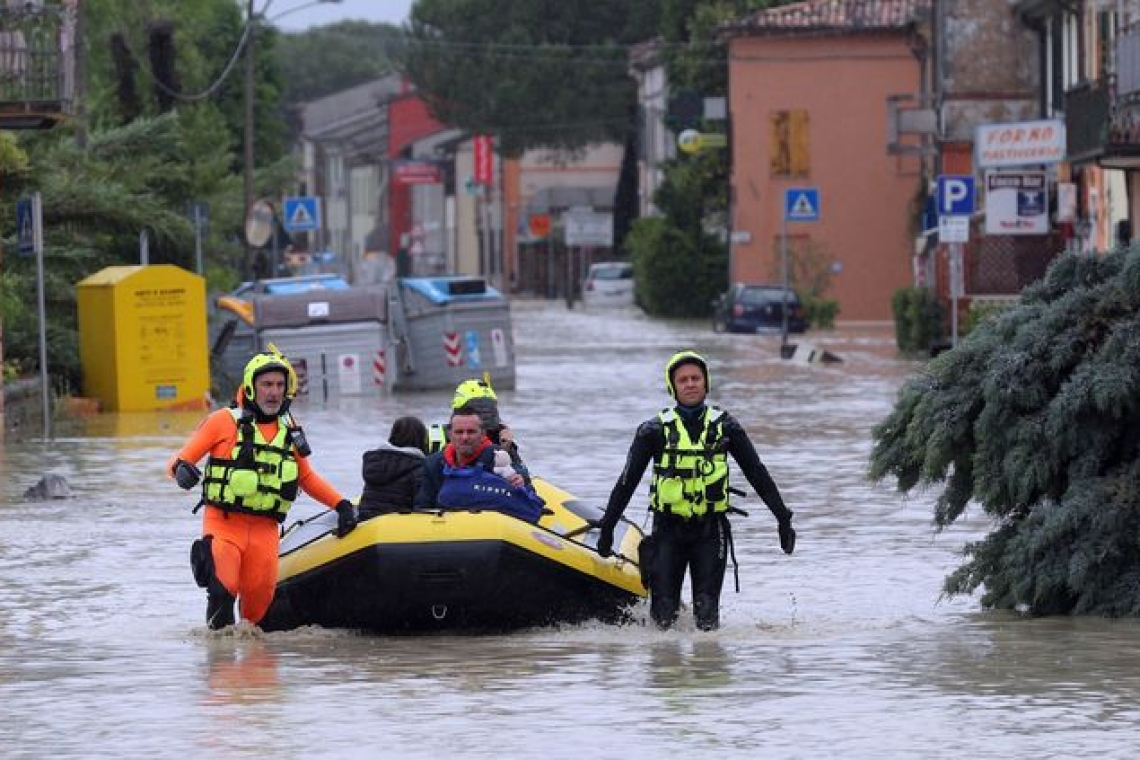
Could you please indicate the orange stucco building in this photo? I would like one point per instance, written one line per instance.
(809, 87)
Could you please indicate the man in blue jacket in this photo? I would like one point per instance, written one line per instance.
(462, 475)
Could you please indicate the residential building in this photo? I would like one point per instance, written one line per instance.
(656, 142)
(539, 189)
(813, 89)
(1091, 51)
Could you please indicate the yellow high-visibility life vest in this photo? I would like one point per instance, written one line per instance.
(259, 478)
(691, 477)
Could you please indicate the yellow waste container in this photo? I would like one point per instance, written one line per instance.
(142, 338)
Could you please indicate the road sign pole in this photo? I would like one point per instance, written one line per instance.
(955, 290)
(784, 270)
(38, 244)
(198, 238)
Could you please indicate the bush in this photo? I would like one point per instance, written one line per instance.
(918, 320)
(820, 312)
(1033, 419)
(985, 311)
(676, 276)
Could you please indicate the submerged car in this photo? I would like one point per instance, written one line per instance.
(608, 283)
(746, 308)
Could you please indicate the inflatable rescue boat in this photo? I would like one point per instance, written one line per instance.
(475, 571)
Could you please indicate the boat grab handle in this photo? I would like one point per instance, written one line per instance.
(439, 611)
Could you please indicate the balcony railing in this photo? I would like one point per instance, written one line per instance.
(1086, 121)
(1101, 125)
(37, 63)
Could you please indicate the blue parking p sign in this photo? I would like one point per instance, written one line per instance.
(955, 195)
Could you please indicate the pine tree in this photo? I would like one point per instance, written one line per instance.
(1035, 418)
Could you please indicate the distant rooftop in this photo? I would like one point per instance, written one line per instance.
(832, 16)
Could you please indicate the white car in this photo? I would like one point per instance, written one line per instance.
(608, 283)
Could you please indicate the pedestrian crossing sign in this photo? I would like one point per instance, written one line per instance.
(801, 204)
(302, 214)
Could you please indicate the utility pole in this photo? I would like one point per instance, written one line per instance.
(247, 131)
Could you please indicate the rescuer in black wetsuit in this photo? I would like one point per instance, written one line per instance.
(689, 445)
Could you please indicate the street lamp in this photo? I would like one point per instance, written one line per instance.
(252, 19)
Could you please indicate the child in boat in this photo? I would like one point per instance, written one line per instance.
(393, 471)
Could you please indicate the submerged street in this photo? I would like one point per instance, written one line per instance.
(845, 649)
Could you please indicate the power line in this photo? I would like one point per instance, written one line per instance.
(247, 30)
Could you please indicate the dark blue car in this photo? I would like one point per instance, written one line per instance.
(758, 309)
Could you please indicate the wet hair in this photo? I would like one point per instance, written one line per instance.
(409, 432)
(467, 410)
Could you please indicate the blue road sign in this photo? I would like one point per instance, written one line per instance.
(25, 228)
(955, 195)
(801, 204)
(302, 214)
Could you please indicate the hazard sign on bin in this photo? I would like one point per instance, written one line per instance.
(302, 214)
(801, 204)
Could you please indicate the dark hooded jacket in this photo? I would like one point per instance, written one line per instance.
(392, 475)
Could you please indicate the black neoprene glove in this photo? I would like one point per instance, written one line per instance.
(787, 534)
(345, 518)
(186, 475)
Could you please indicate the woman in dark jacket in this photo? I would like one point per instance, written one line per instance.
(393, 472)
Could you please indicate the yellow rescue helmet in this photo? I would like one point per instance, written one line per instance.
(469, 390)
(686, 357)
(477, 394)
(270, 361)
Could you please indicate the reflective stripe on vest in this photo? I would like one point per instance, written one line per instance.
(691, 477)
(259, 478)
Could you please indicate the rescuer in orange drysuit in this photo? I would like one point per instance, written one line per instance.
(258, 459)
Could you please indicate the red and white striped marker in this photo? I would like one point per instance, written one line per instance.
(453, 349)
(378, 368)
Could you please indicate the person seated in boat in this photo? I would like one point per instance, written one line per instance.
(393, 471)
(478, 394)
(462, 475)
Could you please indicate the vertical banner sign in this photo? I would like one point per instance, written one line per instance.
(484, 156)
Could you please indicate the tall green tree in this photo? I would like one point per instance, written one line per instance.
(327, 59)
(1035, 418)
(119, 44)
(680, 265)
(163, 123)
(97, 200)
(549, 73)
(681, 258)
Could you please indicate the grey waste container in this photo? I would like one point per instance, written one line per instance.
(448, 329)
